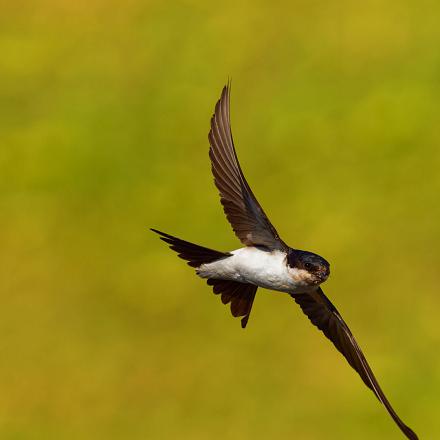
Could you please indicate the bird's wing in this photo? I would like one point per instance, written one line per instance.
(242, 209)
(323, 314)
(240, 295)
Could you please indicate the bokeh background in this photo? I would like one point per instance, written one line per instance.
(104, 116)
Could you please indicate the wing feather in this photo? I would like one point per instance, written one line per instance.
(242, 209)
(240, 295)
(323, 314)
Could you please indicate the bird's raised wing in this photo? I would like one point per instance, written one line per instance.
(242, 209)
(323, 314)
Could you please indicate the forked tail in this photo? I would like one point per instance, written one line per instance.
(240, 295)
(194, 254)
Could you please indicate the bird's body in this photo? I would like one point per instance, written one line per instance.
(266, 260)
(260, 267)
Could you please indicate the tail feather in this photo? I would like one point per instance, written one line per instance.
(194, 254)
(240, 295)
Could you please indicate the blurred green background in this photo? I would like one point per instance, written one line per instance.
(105, 110)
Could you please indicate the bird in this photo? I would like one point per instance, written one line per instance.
(265, 260)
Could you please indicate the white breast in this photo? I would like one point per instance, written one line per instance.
(255, 266)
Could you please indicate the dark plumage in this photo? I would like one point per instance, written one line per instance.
(242, 209)
(237, 275)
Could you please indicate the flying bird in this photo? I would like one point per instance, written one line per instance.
(266, 260)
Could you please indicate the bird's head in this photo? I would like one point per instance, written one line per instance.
(308, 267)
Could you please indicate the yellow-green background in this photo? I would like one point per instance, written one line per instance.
(105, 107)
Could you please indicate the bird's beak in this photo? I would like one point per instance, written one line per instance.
(323, 275)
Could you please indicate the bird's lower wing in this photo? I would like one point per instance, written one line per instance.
(323, 314)
(240, 295)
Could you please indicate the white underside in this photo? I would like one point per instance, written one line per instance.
(261, 268)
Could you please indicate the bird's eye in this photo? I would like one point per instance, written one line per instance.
(308, 266)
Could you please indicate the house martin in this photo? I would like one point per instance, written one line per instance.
(266, 260)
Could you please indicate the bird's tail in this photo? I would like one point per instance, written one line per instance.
(194, 254)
